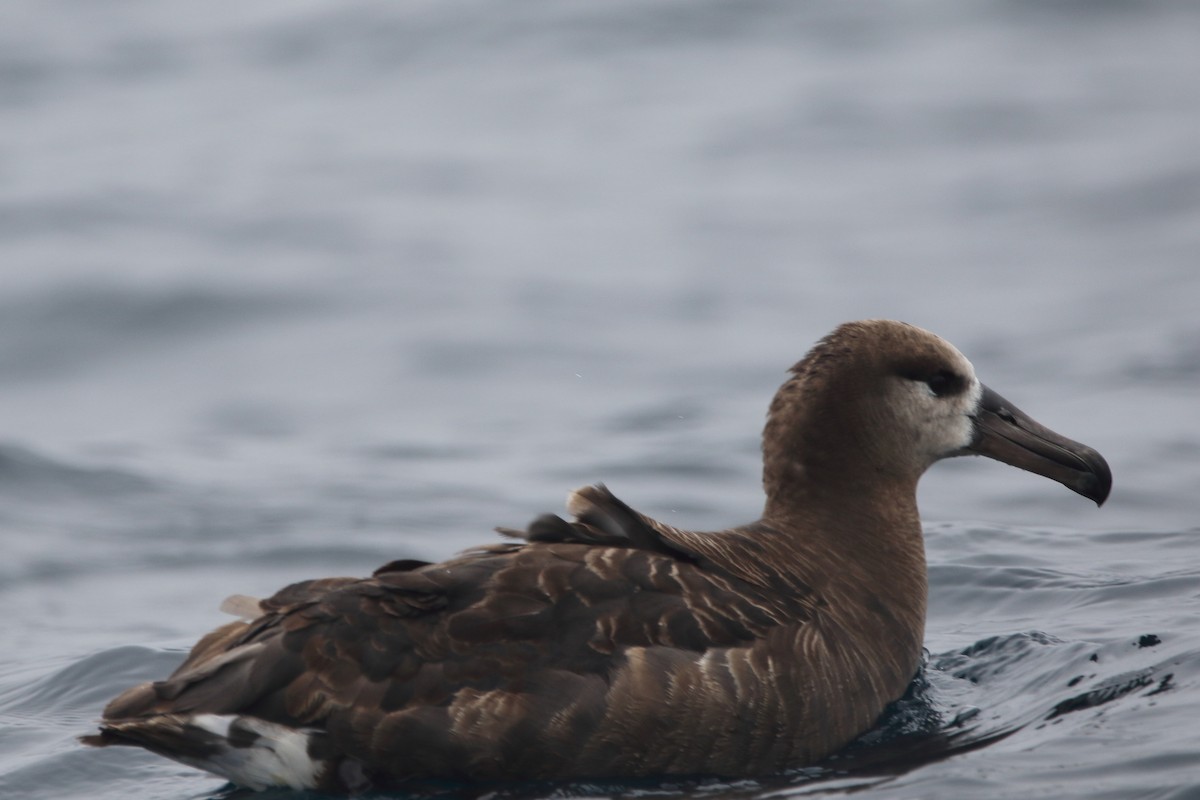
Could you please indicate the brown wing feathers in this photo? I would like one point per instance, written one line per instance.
(601, 519)
(424, 664)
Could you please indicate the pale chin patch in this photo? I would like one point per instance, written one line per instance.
(942, 427)
(973, 397)
(966, 406)
(966, 419)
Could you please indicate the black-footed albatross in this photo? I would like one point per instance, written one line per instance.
(615, 645)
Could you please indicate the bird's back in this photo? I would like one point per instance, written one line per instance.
(558, 657)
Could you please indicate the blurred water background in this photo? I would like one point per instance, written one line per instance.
(291, 289)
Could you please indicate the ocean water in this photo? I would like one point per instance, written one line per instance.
(292, 289)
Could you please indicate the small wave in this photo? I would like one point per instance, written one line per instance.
(71, 327)
(1111, 690)
(24, 472)
(81, 689)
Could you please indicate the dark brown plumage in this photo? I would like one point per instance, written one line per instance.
(614, 645)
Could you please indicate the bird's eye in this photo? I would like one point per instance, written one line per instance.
(944, 382)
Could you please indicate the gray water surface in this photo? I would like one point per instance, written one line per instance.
(295, 289)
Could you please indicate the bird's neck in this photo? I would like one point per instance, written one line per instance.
(866, 526)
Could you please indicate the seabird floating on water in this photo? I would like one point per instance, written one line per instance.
(614, 645)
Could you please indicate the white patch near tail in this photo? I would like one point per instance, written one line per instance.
(258, 754)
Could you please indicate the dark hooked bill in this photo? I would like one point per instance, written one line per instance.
(1005, 433)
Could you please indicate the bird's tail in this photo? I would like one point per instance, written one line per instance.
(244, 750)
